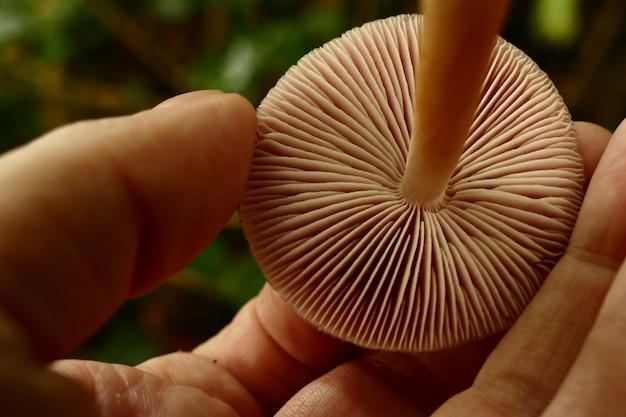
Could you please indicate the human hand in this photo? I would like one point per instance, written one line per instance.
(564, 357)
(64, 273)
(98, 211)
(269, 361)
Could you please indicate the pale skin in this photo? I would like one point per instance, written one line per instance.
(100, 211)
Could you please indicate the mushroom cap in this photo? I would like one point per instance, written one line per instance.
(332, 233)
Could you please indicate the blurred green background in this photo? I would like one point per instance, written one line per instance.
(65, 60)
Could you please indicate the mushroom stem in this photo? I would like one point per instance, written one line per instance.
(458, 38)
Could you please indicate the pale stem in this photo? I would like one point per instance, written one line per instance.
(457, 40)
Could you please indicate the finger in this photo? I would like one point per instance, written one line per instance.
(527, 367)
(372, 384)
(99, 210)
(601, 228)
(595, 385)
(592, 140)
(119, 390)
(367, 387)
(457, 367)
(273, 352)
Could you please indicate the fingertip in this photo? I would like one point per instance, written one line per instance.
(241, 104)
(311, 346)
(238, 117)
(207, 141)
(601, 226)
(592, 141)
(226, 121)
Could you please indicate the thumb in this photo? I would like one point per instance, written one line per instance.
(99, 210)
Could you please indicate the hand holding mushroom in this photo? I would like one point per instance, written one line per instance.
(563, 356)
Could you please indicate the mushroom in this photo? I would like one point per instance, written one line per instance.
(342, 228)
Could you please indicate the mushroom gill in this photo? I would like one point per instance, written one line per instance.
(332, 232)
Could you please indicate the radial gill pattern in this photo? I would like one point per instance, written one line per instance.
(330, 230)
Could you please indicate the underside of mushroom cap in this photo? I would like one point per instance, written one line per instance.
(332, 233)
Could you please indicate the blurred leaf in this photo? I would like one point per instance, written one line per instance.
(323, 24)
(172, 11)
(120, 342)
(12, 24)
(136, 93)
(233, 272)
(557, 22)
(239, 67)
(56, 49)
(252, 62)
(20, 116)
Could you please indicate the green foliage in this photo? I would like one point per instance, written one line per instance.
(252, 61)
(226, 265)
(557, 21)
